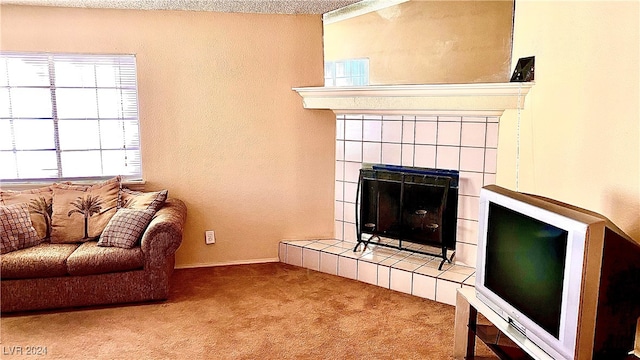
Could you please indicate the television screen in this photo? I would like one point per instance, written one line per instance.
(525, 265)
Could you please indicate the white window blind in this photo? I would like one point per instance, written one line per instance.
(68, 117)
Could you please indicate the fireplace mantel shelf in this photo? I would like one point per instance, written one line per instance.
(478, 99)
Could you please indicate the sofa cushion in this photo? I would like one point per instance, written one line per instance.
(80, 213)
(90, 259)
(130, 199)
(42, 260)
(125, 228)
(39, 201)
(16, 230)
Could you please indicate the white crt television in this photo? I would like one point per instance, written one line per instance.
(566, 278)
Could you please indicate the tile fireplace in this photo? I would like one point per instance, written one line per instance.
(467, 144)
(441, 126)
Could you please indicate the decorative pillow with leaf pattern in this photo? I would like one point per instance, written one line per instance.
(80, 213)
(39, 201)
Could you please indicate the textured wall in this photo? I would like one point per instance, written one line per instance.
(220, 126)
(424, 42)
(580, 129)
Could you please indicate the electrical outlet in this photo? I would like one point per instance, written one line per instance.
(209, 237)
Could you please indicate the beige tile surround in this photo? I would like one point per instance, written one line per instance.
(464, 143)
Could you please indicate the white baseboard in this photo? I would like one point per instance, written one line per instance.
(238, 262)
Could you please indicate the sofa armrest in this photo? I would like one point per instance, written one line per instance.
(163, 236)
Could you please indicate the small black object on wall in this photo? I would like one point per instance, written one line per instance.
(524, 70)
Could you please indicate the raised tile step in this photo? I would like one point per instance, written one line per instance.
(399, 270)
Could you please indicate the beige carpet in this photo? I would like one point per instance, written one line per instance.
(263, 311)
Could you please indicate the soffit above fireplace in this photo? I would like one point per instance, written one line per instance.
(490, 99)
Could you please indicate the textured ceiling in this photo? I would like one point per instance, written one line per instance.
(242, 6)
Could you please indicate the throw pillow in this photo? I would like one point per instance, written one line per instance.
(16, 230)
(39, 201)
(125, 228)
(130, 199)
(84, 187)
(80, 213)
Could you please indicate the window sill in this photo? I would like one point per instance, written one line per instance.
(137, 185)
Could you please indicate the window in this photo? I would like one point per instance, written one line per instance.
(68, 116)
(351, 72)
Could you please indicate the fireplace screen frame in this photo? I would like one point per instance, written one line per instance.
(408, 204)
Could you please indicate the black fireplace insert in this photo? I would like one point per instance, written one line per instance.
(408, 204)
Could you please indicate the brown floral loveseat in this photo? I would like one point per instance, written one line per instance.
(71, 245)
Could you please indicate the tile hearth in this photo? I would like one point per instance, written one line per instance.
(398, 270)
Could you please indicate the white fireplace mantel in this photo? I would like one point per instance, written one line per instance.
(490, 99)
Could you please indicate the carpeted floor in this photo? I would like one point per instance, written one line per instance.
(262, 311)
